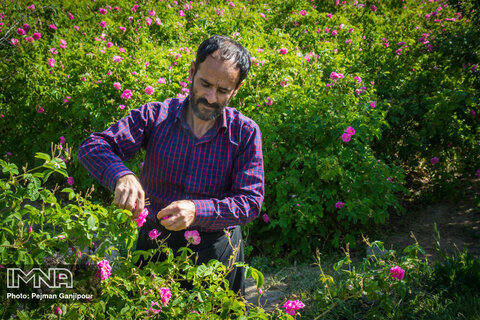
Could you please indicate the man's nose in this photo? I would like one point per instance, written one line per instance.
(211, 95)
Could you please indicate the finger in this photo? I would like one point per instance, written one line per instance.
(140, 202)
(173, 224)
(168, 211)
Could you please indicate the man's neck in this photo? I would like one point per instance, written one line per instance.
(199, 127)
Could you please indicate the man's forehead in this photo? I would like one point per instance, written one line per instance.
(214, 67)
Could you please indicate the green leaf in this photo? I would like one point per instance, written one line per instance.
(256, 275)
(92, 222)
(44, 156)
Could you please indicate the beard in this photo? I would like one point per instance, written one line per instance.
(204, 114)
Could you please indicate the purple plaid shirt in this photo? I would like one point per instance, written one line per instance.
(222, 172)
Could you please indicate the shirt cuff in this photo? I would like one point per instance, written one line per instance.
(113, 173)
(203, 213)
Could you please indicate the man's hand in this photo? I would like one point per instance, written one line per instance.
(129, 191)
(181, 215)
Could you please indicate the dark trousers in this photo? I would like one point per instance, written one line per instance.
(213, 245)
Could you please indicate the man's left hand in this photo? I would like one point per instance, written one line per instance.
(181, 215)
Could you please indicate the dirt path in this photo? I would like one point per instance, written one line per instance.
(457, 223)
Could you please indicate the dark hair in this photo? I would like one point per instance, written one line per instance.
(228, 49)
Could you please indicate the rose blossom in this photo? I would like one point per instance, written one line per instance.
(104, 269)
(293, 305)
(149, 90)
(346, 137)
(154, 233)
(142, 217)
(192, 236)
(339, 205)
(117, 85)
(397, 272)
(165, 294)
(350, 131)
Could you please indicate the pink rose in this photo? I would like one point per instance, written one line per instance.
(339, 205)
(37, 35)
(70, 180)
(14, 41)
(142, 217)
(162, 81)
(102, 11)
(434, 160)
(149, 90)
(291, 306)
(103, 24)
(265, 218)
(165, 295)
(346, 137)
(192, 236)
(104, 269)
(127, 94)
(154, 233)
(283, 51)
(397, 272)
(51, 62)
(117, 85)
(154, 310)
(20, 31)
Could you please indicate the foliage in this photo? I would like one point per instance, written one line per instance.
(369, 290)
(343, 65)
(39, 229)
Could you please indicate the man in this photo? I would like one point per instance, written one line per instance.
(203, 167)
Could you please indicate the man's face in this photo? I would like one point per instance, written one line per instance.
(214, 84)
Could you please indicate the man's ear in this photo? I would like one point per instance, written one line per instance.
(238, 87)
(191, 71)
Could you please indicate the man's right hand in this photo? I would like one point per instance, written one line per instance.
(129, 191)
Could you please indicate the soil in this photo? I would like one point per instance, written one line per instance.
(458, 224)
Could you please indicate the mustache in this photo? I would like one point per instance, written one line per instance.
(205, 102)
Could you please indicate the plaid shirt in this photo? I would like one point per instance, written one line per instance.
(221, 172)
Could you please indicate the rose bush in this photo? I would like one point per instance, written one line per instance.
(403, 76)
(48, 228)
